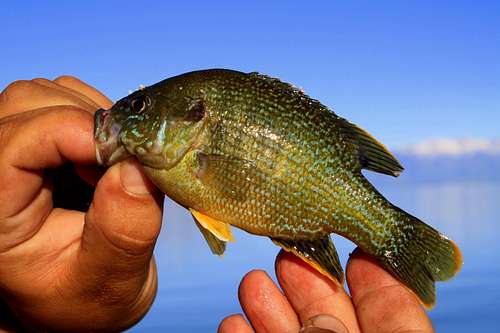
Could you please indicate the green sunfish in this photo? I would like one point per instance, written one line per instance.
(250, 151)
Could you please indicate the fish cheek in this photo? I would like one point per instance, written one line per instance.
(176, 141)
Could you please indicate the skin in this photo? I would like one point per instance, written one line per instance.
(379, 303)
(66, 270)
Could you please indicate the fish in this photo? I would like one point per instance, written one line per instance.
(247, 150)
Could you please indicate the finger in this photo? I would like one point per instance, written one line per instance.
(76, 84)
(32, 142)
(21, 96)
(265, 306)
(311, 293)
(234, 324)
(40, 140)
(65, 90)
(382, 303)
(120, 228)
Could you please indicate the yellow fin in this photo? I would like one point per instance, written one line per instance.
(219, 229)
(216, 245)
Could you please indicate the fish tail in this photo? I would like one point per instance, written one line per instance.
(421, 255)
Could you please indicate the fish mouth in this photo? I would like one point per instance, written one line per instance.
(109, 149)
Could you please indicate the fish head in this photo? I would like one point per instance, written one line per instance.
(158, 126)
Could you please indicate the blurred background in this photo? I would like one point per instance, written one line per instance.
(422, 76)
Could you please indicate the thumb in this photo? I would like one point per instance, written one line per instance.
(125, 213)
(120, 231)
(323, 324)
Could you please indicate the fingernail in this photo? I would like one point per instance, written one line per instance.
(323, 324)
(133, 179)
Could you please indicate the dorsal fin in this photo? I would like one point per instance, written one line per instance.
(372, 154)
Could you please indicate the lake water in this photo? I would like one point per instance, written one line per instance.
(197, 289)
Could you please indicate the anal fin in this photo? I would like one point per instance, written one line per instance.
(216, 232)
(319, 253)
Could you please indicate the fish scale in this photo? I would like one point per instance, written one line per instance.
(249, 151)
(299, 157)
(323, 151)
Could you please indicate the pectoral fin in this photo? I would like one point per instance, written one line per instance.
(216, 233)
(230, 176)
(319, 253)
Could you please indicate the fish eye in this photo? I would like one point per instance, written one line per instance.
(139, 104)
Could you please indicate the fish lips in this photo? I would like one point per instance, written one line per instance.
(109, 149)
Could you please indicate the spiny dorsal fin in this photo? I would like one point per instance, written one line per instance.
(372, 154)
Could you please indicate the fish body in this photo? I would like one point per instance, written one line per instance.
(250, 151)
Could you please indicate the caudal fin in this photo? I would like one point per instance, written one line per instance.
(423, 256)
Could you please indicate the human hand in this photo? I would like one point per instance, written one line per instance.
(60, 269)
(313, 304)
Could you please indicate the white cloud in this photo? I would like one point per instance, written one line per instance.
(454, 147)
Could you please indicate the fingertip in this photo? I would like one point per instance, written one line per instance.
(288, 265)
(133, 179)
(121, 225)
(131, 214)
(264, 305)
(234, 324)
(127, 179)
(251, 284)
(311, 293)
(364, 275)
(290, 268)
(296, 275)
(381, 301)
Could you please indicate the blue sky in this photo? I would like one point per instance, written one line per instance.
(404, 70)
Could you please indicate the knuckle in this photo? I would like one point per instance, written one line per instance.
(122, 244)
(130, 247)
(17, 87)
(69, 79)
(40, 80)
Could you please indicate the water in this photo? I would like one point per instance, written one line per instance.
(197, 289)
